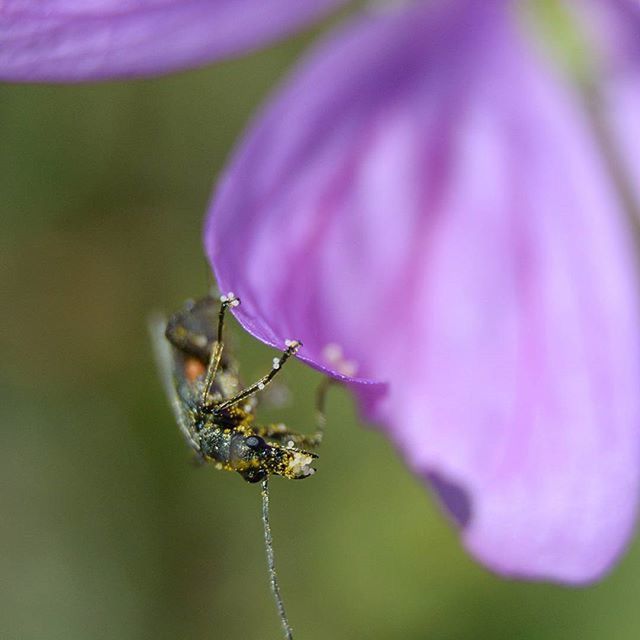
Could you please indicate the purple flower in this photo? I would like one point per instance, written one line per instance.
(615, 28)
(425, 199)
(425, 204)
(78, 40)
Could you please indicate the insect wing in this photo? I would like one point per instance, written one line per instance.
(192, 330)
(192, 333)
(182, 394)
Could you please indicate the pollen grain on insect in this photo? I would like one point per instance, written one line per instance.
(200, 341)
(230, 298)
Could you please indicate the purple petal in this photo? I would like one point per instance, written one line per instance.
(621, 105)
(78, 40)
(423, 204)
(614, 27)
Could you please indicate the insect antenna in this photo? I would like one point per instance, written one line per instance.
(273, 576)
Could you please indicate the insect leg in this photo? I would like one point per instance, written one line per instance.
(271, 563)
(292, 348)
(227, 301)
(283, 436)
(321, 410)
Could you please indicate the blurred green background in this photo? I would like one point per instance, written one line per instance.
(106, 530)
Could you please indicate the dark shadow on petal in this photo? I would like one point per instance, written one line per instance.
(453, 497)
(369, 395)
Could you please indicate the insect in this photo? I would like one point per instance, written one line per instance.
(216, 414)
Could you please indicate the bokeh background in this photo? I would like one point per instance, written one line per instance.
(106, 529)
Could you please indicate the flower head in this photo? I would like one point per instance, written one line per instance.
(425, 193)
(425, 204)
